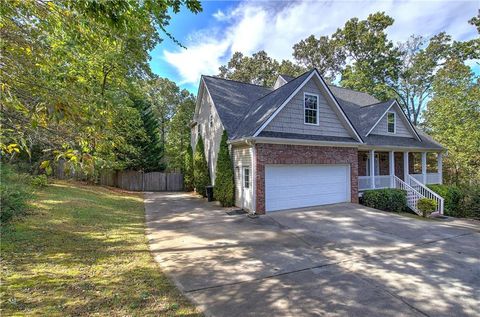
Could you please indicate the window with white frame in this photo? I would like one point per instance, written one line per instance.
(246, 177)
(311, 108)
(391, 122)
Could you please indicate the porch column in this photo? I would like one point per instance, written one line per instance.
(372, 168)
(424, 167)
(405, 167)
(391, 166)
(440, 167)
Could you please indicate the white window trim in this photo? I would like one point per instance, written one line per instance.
(249, 177)
(318, 108)
(394, 122)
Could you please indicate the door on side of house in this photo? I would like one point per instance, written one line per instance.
(297, 186)
(246, 188)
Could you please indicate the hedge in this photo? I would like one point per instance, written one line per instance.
(426, 206)
(15, 192)
(188, 170)
(388, 199)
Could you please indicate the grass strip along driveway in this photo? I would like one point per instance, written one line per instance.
(82, 251)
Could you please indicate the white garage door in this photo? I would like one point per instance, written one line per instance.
(296, 186)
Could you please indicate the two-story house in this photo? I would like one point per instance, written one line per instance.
(304, 143)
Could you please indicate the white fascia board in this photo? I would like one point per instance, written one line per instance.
(304, 142)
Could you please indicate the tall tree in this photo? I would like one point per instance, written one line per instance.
(374, 61)
(453, 118)
(260, 69)
(188, 170)
(67, 66)
(178, 137)
(321, 53)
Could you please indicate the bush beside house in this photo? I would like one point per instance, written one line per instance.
(224, 189)
(201, 177)
(426, 206)
(386, 199)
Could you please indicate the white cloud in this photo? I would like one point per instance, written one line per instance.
(276, 26)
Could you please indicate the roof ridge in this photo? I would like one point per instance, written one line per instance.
(378, 103)
(345, 88)
(237, 81)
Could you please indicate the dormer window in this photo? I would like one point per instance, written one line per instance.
(391, 122)
(311, 109)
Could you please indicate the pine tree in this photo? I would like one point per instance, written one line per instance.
(224, 185)
(188, 169)
(201, 177)
(152, 150)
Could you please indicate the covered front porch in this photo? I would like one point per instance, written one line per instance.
(424, 167)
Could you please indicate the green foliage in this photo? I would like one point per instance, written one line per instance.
(70, 66)
(426, 206)
(386, 199)
(201, 176)
(462, 202)
(260, 69)
(188, 170)
(179, 134)
(15, 192)
(453, 198)
(472, 202)
(40, 180)
(224, 189)
(453, 119)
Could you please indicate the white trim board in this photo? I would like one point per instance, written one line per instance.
(332, 98)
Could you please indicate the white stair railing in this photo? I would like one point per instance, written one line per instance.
(412, 195)
(426, 192)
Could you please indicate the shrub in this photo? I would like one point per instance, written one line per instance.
(426, 206)
(453, 196)
(224, 189)
(188, 170)
(471, 205)
(201, 177)
(386, 199)
(15, 191)
(40, 181)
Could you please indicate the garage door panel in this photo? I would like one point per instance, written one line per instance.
(296, 186)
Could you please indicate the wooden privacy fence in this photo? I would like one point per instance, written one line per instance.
(140, 181)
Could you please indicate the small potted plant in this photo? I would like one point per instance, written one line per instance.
(426, 206)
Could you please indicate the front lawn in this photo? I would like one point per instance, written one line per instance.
(82, 251)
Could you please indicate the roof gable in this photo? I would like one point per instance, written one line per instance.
(291, 118)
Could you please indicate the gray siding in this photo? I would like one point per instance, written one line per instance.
(401, 129)
(211, 135)
(291, 118)
(242, 156)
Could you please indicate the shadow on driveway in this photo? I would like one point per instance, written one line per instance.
(342, 259)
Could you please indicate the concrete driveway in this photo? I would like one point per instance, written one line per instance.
(336, 260)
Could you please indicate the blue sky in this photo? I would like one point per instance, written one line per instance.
(224, 27)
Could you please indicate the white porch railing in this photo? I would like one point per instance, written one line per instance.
(412, 195)
(426, 192)
(364, 182)
(383, 181)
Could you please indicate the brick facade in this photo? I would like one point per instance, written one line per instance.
(300, 154)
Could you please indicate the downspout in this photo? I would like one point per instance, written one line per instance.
(254, 175)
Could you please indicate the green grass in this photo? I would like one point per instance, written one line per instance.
(82, 251)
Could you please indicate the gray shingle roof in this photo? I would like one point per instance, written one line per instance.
(244, 108)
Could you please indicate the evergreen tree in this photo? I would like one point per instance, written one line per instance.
(201, 176)
(152, 149)
(224, 185)
(188, 169)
